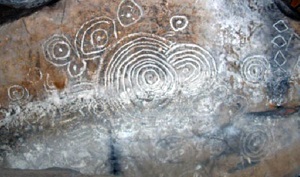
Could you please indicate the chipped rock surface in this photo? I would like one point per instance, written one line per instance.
(151, 88)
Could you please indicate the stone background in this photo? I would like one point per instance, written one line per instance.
(233, 127)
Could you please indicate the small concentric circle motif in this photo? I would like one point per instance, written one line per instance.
(255, 69)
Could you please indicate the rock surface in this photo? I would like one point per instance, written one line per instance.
(151, 88)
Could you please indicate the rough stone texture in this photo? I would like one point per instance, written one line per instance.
(155, 88)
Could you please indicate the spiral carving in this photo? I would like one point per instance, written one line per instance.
(139, 73)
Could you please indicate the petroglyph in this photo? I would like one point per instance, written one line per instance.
(58, 50)
(179, 22)
(17, 93)
(129, 12)
(94, 36)
(196, 68)
(157, 88)
(255, 69)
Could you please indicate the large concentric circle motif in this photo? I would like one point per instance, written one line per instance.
(137, 72)
(255, 145)
(195, 67)
(58, 50)
(93, 37)
(255, 69)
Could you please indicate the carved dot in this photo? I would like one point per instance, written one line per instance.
(179, 22)
(151, 78)
(99, 38)
(74, 67)
(61, 50)
(128, 15)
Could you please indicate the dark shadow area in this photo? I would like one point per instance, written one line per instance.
(290, 8)
(9, 14)
(114, 159)
(50, 172)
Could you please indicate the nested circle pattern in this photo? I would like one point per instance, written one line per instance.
(255, 68)
(58, 50)
(93, 36)
(139, 73)
(195, 67)
(255, 145)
